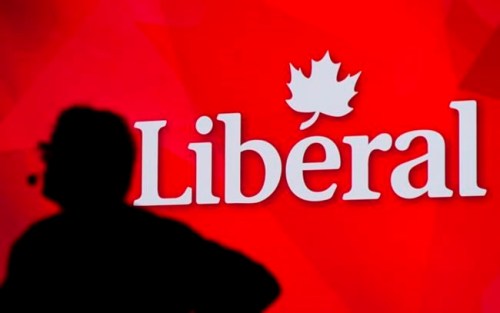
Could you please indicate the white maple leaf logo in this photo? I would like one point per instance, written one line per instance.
(321, 92)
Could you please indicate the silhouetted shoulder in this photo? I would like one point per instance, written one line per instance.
(142, 256)
(230, 282)
(28, 260)
(221, 279)
(36, 239)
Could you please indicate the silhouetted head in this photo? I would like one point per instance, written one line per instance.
(89, 159)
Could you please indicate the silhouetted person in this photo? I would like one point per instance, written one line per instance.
(100, 254)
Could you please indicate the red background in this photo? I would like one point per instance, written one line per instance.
(177, 60)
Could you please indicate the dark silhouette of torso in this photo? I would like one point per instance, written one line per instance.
(102, 254)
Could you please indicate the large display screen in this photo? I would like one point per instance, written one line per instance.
(350, 147)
